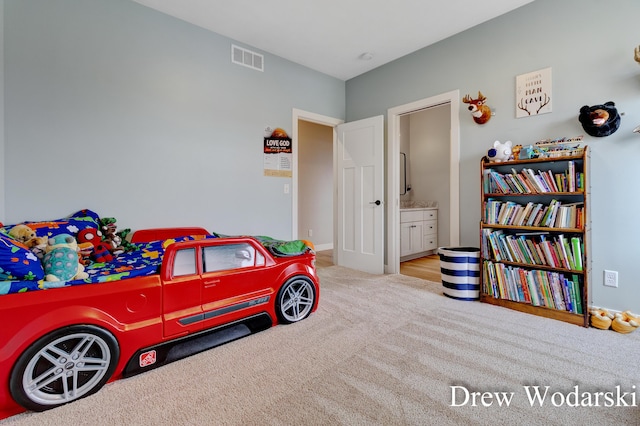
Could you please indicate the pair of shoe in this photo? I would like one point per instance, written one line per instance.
(622, 322)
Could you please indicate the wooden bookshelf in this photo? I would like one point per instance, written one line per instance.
(534, 236)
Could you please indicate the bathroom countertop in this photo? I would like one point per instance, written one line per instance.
(413, 205)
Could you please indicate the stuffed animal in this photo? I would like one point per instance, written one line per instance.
(38, 246)
(125, 242)
(61, 259)
(110, 235)
(625, 322)
(279, 133)
(27, 236)
(85, 252)
(480, 112)
(500, 152)
(22, 233)
(515, 151)
(99, 251)
(600, 120)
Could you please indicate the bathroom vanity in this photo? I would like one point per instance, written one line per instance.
(418, 230)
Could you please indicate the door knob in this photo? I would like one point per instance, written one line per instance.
(376, 202)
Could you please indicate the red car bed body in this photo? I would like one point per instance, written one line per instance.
(147, 316)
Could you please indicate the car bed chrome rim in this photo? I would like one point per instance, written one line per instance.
(66, 369)
(297, 300)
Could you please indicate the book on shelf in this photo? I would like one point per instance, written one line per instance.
(551, 289)
(532, 249)
(576, 246)
(529, 181)
(554, 215)
(571, 176)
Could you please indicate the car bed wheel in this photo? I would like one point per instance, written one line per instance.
(63, 366)
(295, 300)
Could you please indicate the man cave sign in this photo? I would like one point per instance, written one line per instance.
(600, 120)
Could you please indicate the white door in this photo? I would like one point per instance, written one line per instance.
(360, 183)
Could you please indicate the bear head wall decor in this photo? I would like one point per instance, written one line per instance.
(600, 120)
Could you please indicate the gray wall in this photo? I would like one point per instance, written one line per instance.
(590, 50)
(112, 106)
(2, 149)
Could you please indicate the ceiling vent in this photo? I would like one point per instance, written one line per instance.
(247, 58)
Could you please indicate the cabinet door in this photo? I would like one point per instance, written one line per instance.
(411, 240)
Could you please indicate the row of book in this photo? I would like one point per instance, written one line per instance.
(554, 290)
(528, 181)
(554, 215)
(542, 249)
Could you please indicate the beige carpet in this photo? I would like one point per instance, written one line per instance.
(382, 350)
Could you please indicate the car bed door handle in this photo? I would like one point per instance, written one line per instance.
(211, 283)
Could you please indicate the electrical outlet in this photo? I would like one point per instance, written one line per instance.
(310, 232)
(286, 188)
(611, 278)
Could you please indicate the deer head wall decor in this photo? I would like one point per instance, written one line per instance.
(480, 112)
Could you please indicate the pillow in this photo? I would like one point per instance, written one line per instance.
(17, 262)
(68, 225)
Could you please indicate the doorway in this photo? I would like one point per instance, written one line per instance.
(449, 101)
(358, 190)
(313, 177)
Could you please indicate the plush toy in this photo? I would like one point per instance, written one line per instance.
(625, 322)
(22, 233)
(600, 120)
(99, 251)
(600, 318)
(125, 242)
(27, 236)
(38, 246)
(279, 133)
(110, 235)
(85, 253)
(500, 152)
(480, 112)
(515, 151)
(61, 259)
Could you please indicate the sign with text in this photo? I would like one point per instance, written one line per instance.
(533, 93)
(278, 155)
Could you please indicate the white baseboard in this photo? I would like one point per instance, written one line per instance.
(322, 247)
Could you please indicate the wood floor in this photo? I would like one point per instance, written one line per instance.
(426, 268)
(324, 258)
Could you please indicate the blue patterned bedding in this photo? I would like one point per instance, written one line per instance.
(144, 261)
(21, 270)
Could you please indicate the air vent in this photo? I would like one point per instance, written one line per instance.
(247, 58)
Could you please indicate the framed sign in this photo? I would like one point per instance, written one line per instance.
(278, 156)
(533, 93)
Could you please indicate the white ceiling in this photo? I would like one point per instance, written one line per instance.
(330, 35)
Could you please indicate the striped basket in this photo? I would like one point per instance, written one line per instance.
(460, 268)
